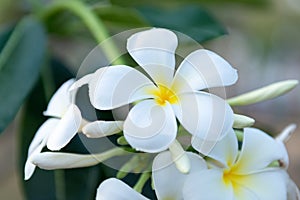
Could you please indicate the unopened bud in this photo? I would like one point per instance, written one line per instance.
(241, 121)
(268, 92)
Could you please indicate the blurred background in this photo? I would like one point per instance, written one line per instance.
(261, 38)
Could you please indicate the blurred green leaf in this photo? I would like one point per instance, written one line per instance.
(20, 62)
(193, 21)
(4, 36)
(114, 17)
(169, 3)
(120, 16)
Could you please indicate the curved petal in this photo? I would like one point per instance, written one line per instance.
(292, 190)
(225, 151)
(284, 161)
(29, 166)
(204, 115)
(99, 129)
(42, 134)
(66, 129)
(60, 100)
(205, 69)
(37, 144)
(258, 151)
(207, 184)
(150, 127)
(265, 185)
(114, 189)
(154, 51)
(80, 82)
(115, 86)
(164, 172)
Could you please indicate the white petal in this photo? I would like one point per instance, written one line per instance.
(258, 151)
(205, 69)
(29, 166)
(168, 181)
(114, 86)
(80, 82)
(225, 151)
(60, 101)
(66, 129)
(99, 129)
(292, 190)
(42, 134)
(114, 189)
(154, 51)
(207, 184)
(51, 160)
(284, 161)
(37, 144)
(150, 127)
(264, 185)
(57, 160)
(205, 116)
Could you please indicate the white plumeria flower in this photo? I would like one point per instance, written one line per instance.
(164, 172)
(241, 175)
(151, 124)
(65, 122)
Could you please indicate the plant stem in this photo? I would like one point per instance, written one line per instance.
(60, 187)
(141, 182)
(90, 19)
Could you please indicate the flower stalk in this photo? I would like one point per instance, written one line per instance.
(89, 18)
(141, 182)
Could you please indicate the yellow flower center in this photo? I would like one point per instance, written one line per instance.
(230, 178)
(164, 94)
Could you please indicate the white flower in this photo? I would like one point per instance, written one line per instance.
(292, 189)
(168, 181)
(151, 124)
(57, 131)
(65, 122)
(241, 175)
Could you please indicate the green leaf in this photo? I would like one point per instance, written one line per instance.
(115, 18)
(20, 62)
(4, 36)
(120, 17)
(193, 21)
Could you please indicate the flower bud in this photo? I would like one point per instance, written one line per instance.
(265, 93)
(241, 121)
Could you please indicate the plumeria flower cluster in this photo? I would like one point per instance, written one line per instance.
(227, 159)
